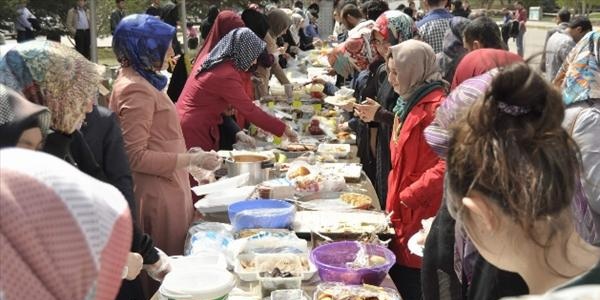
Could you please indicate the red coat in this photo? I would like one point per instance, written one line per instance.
(206, 96)
(416, 180)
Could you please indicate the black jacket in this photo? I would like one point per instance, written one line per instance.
(385, 120)
(104, 142)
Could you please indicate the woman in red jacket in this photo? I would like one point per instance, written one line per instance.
(219, 84)
(416, 179)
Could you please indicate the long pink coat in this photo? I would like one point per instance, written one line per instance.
(153, 138)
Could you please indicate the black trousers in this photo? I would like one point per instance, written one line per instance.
(82, 42)
(25, 35)
(407, 281)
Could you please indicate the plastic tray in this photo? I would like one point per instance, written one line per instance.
(253, 275)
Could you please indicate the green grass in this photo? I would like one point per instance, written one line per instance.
(106, 56)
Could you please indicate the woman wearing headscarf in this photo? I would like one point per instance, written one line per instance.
(391, 28)
(453, 48)
(30, 67)
(63, 234)
(356, 53)
(416, 178)
(449, 263)
(22, 123)
(58, 77)
(279, 22)
(218, 85)
(211, 16)
(580, 77)
(153, 139)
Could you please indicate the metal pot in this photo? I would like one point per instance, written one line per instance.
(258, 166)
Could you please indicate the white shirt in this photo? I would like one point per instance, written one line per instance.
(82, 21)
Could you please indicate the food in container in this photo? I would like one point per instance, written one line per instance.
(337, 262)
(270, 283)
(248, 266)
(338, 291)
(296, 294)
(356, 200)
(337, 150)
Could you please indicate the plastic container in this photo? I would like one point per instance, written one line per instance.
(206, 284)
(332, 263)
(198, 261)
(271, 284)
(287, 295)
(338, 291)
(261, 214)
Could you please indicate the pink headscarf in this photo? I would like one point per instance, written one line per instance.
(63, 234)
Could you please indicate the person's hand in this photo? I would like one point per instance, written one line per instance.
(159, 269)
(366, 110)
(257, 80)
(318, 80)
(331, 72)
(343, 127)
(243, 138)
(318, 43)
(349, 107)
(206, 160)
(133, 266)
(291, 134)
(294, 49)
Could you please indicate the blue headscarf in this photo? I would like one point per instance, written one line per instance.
(141, 41)
(240, 45)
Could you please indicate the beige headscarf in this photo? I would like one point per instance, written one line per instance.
(415, 65)
(279, 22)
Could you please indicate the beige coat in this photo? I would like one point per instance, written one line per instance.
(264, 74)
(153, 139)
(72, 17)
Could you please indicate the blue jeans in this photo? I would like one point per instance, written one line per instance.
(520, 46)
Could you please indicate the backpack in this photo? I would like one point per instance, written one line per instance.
(514, 29)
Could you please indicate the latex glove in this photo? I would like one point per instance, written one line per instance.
(367, 109)
(133, 267)
(206, 160)
(243, 138)
(159, 269)
(291, 134)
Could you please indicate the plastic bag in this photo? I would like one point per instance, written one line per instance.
(209, 236)
(269, 242)
(264, 218)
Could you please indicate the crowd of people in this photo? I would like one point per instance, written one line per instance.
(450, 125)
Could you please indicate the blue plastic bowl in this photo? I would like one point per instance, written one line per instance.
(251, 214)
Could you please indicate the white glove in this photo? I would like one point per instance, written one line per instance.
(205, 160)
(133, 267)
(159, 269)
(243, 138)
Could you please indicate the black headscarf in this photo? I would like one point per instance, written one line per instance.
(211, 16)
(17, 114)
(256, 21)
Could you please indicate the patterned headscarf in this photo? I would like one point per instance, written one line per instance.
(63, 234)
(356, 52)
(55, 76)
(395, 26)
(142, 41)
(17, 115)
(240, 45)
(582, 78)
